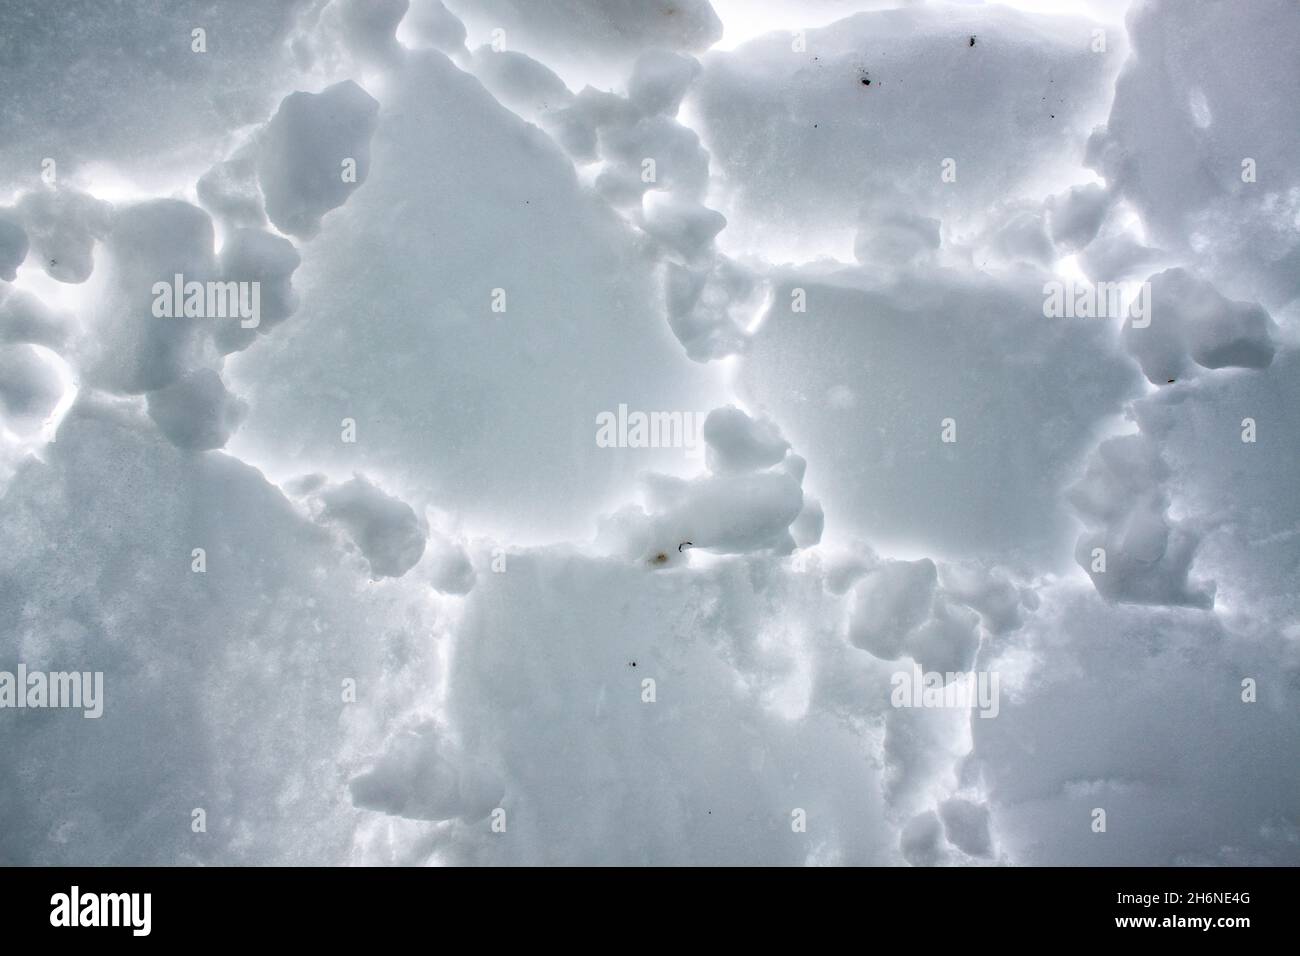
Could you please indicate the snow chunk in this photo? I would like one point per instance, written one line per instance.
(990, 592)
(1135, 554)
(430, 23)
(246, 657)
(747, 504)
(726, 513)
(583, 332)
(889, 603)
(660, 78)
(795, 133)
(893, 237)
(1076, 215)
(63, 225)
(303, 151)
(230, 192)
(562, 631)
(808, 527)
(947, 642)
(1158, 691)
(709, 307)
(130, 349)
(1116, 255)
(1212, 172)
(1026, 395)
(385, 528)
(1019, 235)
(921, 840)
(370, 27)
(29, 386)
(253, 255)
(121, 84)
(450, 569)
(519, 82)
(25, 318)
(739, 443)
(1189, 319)
(421, 777)
(687, 228)
(681, 165)
(603, 30)
(966, 825)
(197, 412)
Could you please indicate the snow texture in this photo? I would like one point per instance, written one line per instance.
(657, 431)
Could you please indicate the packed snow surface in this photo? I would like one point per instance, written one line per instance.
(651, 431)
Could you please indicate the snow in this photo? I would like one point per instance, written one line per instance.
(196, 411)
(385, 529)
(62, 226)
(1198, 325)
(374, 580)
(306, 143)
(659, 80)
(13, 249)
(889, 603)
